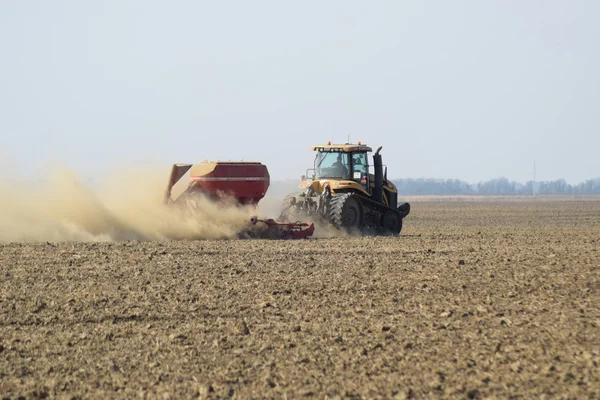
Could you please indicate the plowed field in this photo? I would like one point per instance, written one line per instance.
(474, 300)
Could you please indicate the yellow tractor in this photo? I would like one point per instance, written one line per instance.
(341, 191)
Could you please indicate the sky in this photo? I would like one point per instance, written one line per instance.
(451, 89)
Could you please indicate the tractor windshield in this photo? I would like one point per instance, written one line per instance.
(332, 165)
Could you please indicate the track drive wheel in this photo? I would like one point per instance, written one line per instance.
(392, 223)
(346, 212)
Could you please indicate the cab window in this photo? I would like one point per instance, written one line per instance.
(332, 165)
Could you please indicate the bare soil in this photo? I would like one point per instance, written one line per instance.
(474, 300)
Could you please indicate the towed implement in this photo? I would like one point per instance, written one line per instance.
(235, 183)
(342, 192)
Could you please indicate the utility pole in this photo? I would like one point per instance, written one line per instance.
(533, 186)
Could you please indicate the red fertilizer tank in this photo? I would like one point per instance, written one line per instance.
(245, 181)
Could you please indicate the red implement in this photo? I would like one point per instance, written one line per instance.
(246, 182)
(271, 229)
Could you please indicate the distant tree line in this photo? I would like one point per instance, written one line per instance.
(499, 186)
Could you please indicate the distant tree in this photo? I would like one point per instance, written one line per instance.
(499, 186)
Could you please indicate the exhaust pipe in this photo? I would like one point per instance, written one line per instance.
(378, 165)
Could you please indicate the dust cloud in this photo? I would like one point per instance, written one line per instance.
(127, 207)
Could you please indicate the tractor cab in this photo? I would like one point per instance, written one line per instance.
(342, 162)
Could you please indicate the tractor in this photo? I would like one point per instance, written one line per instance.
(341, 191)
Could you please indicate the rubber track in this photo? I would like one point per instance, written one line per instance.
(370, 203)
(336, 207)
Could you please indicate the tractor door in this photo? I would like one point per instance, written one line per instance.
(360, 170)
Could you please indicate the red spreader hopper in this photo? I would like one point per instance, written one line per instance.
(238, 182)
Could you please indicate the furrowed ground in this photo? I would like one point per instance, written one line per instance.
(474, 300)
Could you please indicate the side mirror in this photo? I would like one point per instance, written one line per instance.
(385, 174)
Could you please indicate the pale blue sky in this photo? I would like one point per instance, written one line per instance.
(451, 89)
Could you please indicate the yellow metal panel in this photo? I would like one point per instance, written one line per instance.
(347, 185)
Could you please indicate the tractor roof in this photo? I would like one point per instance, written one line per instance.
(346, 147)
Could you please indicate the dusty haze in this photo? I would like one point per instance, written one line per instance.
(126, 207)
